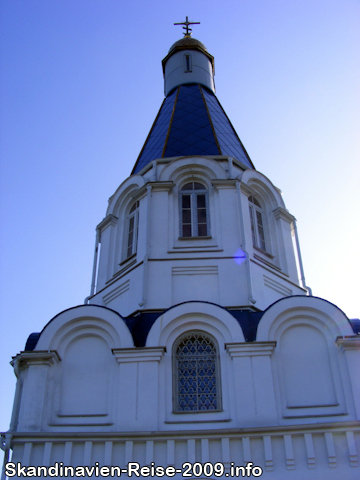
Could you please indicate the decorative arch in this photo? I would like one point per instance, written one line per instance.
(124, 194)
(82, 384)
(263, 189)
(205, 316)
(308, 368)
(188, 319)
(187, 166)
(85, 319)
(327, 315)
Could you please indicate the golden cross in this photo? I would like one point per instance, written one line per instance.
(186, 28)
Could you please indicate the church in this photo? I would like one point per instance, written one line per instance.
(198, 345)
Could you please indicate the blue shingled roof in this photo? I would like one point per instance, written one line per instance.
(191, 121)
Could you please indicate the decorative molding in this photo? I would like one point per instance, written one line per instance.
(250, 349)
(283, 214)
(140, 193)
(144, 354)
(246, 189)
(162, 186)
(269, 461)
(276, 286)
(329, 440)
(353, 456)
(348, 343)
(195, 270)
(110, 220)
(116, 292)
(37, 357)
(224, 183)
(289, 452)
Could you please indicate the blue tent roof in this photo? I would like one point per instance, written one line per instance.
(191, 121)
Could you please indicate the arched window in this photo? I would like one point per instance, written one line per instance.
(257, 226)
(194, 210)
(196, 368)
(133, 229)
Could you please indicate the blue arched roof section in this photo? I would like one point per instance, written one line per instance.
(141, 323)
(191, 121)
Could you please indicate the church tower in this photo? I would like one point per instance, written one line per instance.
(195, 220)
(197, 342)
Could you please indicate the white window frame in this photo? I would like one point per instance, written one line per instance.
(257, 224)
(194, 193)
(176, 407)
(131, 247)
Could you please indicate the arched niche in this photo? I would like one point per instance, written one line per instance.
(86, 365)
(307, 365)
(82, 385)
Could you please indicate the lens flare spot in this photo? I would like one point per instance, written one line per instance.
(239, 256)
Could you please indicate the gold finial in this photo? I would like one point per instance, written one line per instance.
(186, 28)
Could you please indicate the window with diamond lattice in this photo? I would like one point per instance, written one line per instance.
(196, 365)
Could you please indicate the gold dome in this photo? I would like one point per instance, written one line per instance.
(187, 43)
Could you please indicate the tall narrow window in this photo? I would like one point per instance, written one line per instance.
(194, 211)
(133, 230)
(257, 226)
(187, 63)
(196, 379)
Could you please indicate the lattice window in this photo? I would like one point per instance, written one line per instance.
(197, 381)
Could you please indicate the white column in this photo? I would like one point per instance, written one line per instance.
(138, 397)
(32, 402)
(351, 348)
(254, 384)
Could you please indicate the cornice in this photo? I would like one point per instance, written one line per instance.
(250, 349)
(246, 189)
(283, 214)
(223, 183)
(145, 354)
(348, 343)
(38, 357)
(110, 220)
(162, 186)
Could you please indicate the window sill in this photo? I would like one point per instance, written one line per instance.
(210, 420)
(127, 259)
(264, 252)
(195, 238)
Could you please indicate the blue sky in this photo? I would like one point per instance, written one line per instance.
(81, 83)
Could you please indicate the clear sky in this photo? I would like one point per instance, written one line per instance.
(81, 83)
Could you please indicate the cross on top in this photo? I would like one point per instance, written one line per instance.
(186, 28)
